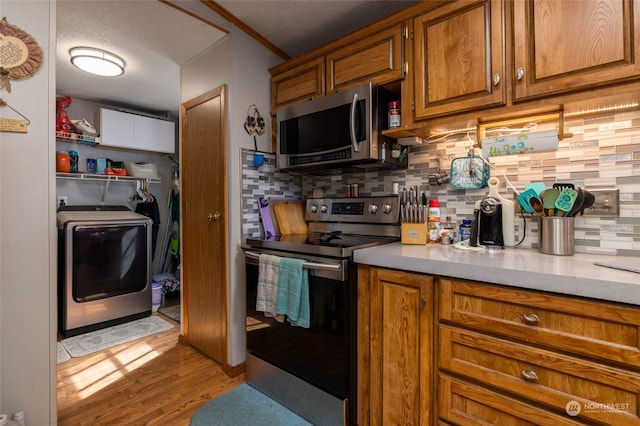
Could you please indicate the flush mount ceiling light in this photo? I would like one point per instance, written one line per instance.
(97, 61)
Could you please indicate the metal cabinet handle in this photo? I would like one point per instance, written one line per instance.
(214, 217)
(496, 79)
(531, 319)
(530, 375)
(519, 74)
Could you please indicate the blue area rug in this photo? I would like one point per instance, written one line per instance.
(245, 406)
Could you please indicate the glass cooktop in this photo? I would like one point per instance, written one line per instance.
(334, 244)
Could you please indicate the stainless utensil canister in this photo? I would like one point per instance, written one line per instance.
(556, 236)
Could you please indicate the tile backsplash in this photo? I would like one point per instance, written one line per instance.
(597, 152)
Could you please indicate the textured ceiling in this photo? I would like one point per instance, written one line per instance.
(154, 39)
(298, 26)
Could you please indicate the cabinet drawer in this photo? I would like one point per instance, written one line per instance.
(462, 403)
(604, 394)
(600, 330)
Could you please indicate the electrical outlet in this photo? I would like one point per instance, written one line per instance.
(607, 203)
(62, 200)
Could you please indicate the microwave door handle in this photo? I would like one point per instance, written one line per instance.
(352, 117)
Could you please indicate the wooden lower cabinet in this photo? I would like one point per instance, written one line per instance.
(395, 347)
(438, 350)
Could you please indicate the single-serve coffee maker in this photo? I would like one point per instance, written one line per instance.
(487, 224)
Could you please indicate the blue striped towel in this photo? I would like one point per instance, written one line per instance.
(293, 292)
(268, 266)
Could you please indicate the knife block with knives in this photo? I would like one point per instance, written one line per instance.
(413, 217)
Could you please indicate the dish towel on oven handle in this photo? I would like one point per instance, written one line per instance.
(267, 294)
(293, 292)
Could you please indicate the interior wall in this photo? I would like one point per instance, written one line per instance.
(27, 229)
(242, 63)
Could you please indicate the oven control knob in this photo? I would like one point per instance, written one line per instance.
(314, 208)
(324, 209)
(373, 209)
(386, 208)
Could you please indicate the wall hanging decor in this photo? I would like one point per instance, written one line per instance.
(13, 125)
(255, 122)
(20, 54)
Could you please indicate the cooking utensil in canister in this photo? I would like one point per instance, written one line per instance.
(537, 206)
(566, 199)
(549, 197)
(588, 200)
(560, 186)
(536, 186)
(524, 198)
(577, 205)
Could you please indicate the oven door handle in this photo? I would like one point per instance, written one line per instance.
(305, 265)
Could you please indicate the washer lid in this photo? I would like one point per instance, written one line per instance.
(103, 216)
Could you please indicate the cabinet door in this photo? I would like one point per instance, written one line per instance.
(459, 58)
(563, 46)
(400, 362)
(117, 128)
(298, 84)
(378, 58)
(155, 135)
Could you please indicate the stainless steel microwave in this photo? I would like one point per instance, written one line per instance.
(340, 130)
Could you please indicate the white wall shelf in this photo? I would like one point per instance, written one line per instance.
(108, 178)
(104, 178)
(76, 138)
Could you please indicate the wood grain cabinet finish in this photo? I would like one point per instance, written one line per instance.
(395, 352)
(298, 84)
(549, 378)
(378, 58)
(574, 358)
(459, 58)
(464, 403)
(563, 46)
(602, 331)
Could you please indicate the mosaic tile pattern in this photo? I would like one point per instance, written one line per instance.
(263, 181)
(594, 157)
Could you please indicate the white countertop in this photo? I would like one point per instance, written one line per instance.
(525, 268)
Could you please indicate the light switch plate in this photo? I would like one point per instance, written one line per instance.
(607, 203)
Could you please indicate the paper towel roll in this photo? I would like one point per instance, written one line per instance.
(525, 143)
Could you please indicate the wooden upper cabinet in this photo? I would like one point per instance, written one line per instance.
(459, 58)
(298, 84)
(378, 58)
(562, 46)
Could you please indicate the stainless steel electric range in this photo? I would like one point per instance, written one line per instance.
(312, 371)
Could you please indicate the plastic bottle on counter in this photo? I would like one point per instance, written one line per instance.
(465, 229)
(433, 222)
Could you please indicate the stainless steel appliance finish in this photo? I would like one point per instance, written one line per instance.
(313, 371)
(104, 262)
(340, 130)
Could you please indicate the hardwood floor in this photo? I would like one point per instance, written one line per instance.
(151, 381)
